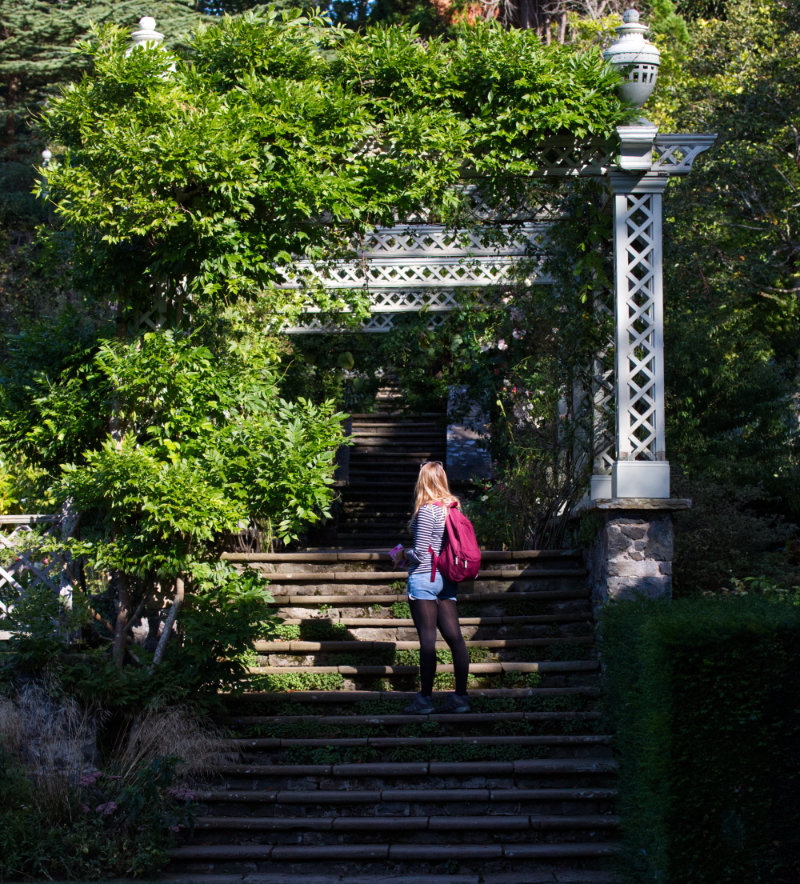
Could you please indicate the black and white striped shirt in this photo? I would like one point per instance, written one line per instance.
(428, 527)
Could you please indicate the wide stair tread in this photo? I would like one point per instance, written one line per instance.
(385, 453)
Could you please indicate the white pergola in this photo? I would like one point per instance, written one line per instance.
(416, 266)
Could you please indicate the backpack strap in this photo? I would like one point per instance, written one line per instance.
(434, 557)
(434, 560)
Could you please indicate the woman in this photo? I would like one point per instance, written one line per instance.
(433, 602)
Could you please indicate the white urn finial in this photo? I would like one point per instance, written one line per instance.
(636, 58)
(145, 35)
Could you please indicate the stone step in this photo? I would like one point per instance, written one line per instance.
(369, 519)
(270, 743)
(384, 442)
(481, 622)
(384, 522)
(497, 580)
(373, 557)
(337, 646)
(352, 798)
(392, 671)
(388, 511)
(393, 391)
(344, 600)
(380, 720)
(485, 574)
(408, 802)
(393, 852)
(424, 445)
(381, 481)
(400, 465)
(414, 769)
(553, 876)
(371, 460)
(347, 697)
(390, 637)
(475, 826)
(393, 429)
(251, 708)
(368, 494)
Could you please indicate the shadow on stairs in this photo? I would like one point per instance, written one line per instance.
(328, 781)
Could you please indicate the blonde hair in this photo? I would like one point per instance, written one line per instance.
(432, 487)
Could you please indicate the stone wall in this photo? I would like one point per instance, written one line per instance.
(631, 556)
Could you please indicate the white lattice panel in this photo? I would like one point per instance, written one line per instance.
(21, 564)
(675, 154)
(516, 208)
(378, 322)
(639, 321)
(571, 159)
(408, 268)
(428, 240)
(413, 273)
(603, 397)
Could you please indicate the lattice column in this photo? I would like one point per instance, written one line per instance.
(640, 469)
(603, 406)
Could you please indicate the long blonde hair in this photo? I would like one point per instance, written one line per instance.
(432, 487)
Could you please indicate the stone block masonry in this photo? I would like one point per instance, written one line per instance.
(631, 555)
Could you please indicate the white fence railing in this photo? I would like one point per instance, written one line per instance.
(24, 563)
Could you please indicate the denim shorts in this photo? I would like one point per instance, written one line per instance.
(420, 585)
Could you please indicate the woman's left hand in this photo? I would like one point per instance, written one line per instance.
(398, 558)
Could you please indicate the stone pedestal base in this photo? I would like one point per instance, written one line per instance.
(631, 556)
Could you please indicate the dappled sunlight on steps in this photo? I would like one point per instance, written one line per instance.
(327, 777)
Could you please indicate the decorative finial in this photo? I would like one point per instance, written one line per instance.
(147, 35)
(635, 57)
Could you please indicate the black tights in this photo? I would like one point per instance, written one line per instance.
(428, 614)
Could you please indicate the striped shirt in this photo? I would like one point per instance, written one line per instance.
(428, 527)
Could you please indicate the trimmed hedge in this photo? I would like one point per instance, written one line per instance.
(704, 696)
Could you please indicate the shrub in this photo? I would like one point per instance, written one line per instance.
(704, 695)
(64, 818)
(731, 532)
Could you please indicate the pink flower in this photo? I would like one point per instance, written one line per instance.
(84, 808)
(518, 333)
(181, 793)
(177, 827)
(89, 779)
(106, 809)
(502, 345)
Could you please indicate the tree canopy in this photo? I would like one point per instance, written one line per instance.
(214, 169)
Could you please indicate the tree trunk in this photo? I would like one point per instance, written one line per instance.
(177, 601)
(121, 623)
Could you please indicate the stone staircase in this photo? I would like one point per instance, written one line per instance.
(328, 781)
(384, 461)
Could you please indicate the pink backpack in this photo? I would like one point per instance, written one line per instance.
(460, 558)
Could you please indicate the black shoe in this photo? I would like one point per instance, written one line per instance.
(456, 703)
(419, 706)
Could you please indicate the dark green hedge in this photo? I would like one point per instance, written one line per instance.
(704, 695)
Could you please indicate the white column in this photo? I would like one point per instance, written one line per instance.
(640, 468)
